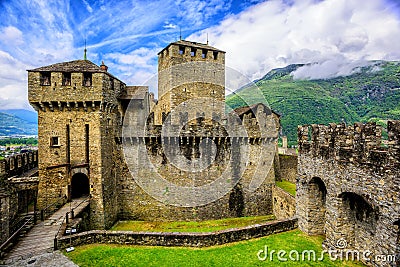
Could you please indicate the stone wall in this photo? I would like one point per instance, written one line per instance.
(348, 187)
(288, 167)
(18, 164)
(284, 204)
(15, 193)
(177, 239)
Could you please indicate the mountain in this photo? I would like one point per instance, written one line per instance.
(26, 115)
(371, 93)
(23, 124)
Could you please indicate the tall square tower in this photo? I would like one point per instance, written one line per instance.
(186, 71)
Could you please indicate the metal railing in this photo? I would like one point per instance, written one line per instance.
(47, 211)
(67, 221)
(15, 234)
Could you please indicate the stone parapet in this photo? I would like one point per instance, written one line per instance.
(177, 238)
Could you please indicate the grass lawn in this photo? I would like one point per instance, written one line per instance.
(182, 226)
(287, 186)
(242, 253)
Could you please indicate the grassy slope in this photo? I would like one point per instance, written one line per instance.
(242, 253)
(367, 95)
(287, 186)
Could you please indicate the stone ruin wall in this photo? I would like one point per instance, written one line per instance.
(348, 186)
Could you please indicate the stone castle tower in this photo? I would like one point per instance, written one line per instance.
(84, 112)
(186, 71)
(77, 104)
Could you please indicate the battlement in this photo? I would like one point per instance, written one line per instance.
(357, 144)
(18, 164)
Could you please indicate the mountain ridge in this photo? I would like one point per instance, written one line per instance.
(369, 93)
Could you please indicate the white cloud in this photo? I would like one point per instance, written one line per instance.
(169, 26)
(11, 35)
(337, 35)
(88, 7)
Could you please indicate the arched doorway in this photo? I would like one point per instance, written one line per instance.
(317, 205)
(79, 185)
(359, 220)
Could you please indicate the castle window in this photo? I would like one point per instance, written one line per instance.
(193, 52)
(54, 141)
(215, 54)
(66, 78)
(112, 83)
(45, 78)
(204, 53)
(181, 50)
(87, 79)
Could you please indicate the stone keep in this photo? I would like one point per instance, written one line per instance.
(189, 70)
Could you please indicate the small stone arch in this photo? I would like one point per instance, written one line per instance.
(359, 219)
(317, 194)
(79, 185)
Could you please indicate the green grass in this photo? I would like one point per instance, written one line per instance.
(183, 226)
(242, 253)
(287, 186)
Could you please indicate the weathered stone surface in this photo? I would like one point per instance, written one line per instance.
(284, 204)
(288, 167)
(16, 192)
(348, 186)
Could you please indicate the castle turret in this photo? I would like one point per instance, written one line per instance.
(77, 116)
(189, 70)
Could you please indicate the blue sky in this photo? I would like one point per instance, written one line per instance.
(336, 35)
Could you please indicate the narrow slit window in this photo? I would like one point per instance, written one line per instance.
(193, 52)
(215, 54)
(87, 79)
(112, 83)
(45, 78)
(204, 53)
(66, 78)
(181, 50)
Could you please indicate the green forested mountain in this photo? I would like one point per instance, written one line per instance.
(12, 125)
(371, 93)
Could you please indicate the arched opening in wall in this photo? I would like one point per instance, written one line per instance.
(317, 205)
(79, 185)
(359, 220)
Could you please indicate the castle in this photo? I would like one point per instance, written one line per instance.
(185, 157)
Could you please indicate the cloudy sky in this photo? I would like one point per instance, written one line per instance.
(336, 35)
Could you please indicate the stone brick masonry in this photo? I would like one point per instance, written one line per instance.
(348, 187)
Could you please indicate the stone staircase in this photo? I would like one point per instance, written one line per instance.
(40, 239)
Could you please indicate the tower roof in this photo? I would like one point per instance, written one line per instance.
(71, 66)
(193, 44)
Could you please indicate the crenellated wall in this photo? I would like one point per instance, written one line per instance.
(15, 195)
(18, 164)
(348, 186)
